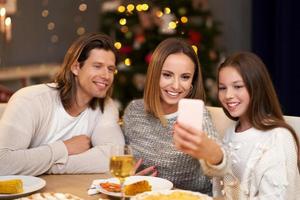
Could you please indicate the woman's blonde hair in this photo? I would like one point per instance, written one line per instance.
(152, 94)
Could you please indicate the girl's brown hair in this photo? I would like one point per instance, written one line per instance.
(264, 111)
(152, 92)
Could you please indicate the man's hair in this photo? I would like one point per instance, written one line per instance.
(167, 47)
(79, 52)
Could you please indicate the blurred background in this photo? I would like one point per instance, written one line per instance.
(35, 34)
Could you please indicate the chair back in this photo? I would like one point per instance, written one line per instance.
(2, 108)
(222, 122)
(294, 122)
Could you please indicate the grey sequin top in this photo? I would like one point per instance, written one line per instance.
(153, 142)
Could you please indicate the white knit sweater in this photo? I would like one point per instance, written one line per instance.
(270, 167)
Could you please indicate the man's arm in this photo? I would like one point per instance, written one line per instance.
(17, 129)
(96, 159)
(107, 132)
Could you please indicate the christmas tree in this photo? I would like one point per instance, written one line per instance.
(139, 26)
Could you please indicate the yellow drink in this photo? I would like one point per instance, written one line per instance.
(121, 166)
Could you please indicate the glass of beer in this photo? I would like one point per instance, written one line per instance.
(121, 164)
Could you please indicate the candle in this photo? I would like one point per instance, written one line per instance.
(8, 29)
(2, 19)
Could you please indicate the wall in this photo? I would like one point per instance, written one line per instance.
(31, 41)
(235, 16)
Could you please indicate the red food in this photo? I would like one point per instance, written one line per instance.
(111, 187)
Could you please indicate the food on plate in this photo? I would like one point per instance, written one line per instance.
(130, 190)
(111, 187)
(52, 196)
(171, 195)
(12, 186)
(137, 187)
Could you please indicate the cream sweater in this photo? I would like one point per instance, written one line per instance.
(24, 135)
(270, 168)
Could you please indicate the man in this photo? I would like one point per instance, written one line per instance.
(66, 126)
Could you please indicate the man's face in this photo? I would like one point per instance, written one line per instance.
(96, 75)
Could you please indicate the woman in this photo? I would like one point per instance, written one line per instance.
(174, 73)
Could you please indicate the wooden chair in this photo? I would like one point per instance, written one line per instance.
(5, 94)
(220, 120)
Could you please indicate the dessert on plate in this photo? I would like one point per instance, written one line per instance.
(171, 195)
(130, 189)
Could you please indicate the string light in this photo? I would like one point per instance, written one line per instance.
(167, 10)
(172, 25)
(130, 7)
(45, 13)
(121, 9)
(159, 13)
(184, 19)
(118, 45)
(51, 26)
(82, 7)
(122, 21)
(195, 48)
(145, 7)
(127, 62)
(139, 7)
(80, 31)
(54, 38)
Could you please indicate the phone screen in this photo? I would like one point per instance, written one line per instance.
(190, 112)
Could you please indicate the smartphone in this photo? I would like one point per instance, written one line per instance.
(190, 112)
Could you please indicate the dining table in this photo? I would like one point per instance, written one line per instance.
(77, 184)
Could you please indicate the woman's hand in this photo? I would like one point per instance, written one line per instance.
(197, 144)
(150, 171)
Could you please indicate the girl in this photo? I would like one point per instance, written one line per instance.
(262, 148)
(174, 73)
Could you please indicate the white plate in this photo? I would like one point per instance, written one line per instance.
(156, 193)
(155, 182)
(30, 184)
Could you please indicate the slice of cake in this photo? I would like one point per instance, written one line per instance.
(13, 186)
(137, 187)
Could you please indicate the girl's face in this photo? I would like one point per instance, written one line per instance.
(175, 81)
(233, 93)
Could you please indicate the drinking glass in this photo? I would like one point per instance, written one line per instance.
(121, 164)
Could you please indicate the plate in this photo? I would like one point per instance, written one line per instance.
(155, 182)
(153, 194)
(52, 196)
(30, 184)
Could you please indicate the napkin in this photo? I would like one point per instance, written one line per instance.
(95, 187)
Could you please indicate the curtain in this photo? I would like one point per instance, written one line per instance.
(276, 39)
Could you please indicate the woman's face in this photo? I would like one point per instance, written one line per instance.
(233, 93)
(175, 81)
